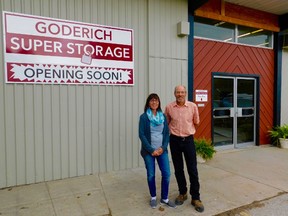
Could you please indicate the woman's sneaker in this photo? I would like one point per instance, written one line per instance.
(153, 203)
(169, 203)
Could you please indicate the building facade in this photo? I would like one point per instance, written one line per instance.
(52, 131)
(58, 131)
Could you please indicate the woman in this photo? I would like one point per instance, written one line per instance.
(154, 136)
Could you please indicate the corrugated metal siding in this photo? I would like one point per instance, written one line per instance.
(50, 132)
(284, 90)
(168, 54)
(211, 56)
(59, 131)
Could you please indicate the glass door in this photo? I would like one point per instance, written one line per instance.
(234, 107)
(245, 111)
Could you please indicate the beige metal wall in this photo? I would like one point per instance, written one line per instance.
(50, 132)
(284, 90)
(167, 52)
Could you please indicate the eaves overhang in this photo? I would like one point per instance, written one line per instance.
(195, 4)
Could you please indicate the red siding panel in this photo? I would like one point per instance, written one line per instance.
(212, 56)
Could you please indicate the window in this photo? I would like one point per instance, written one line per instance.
(256, 37)
(217, 30)
(227, 32)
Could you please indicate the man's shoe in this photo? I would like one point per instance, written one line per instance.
(198, 205)
(180, 199)
(169, 203)
(153, 203)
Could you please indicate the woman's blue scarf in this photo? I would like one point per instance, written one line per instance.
(155, 120)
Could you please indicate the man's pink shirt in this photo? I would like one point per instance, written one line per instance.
(182, 119)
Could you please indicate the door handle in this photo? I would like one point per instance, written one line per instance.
(239, 111)
(232, 112)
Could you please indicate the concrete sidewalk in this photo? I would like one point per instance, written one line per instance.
(229, 182)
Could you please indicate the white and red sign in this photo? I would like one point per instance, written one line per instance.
(54, 51)
(201, 95)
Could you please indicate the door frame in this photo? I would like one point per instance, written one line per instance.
(257, 101)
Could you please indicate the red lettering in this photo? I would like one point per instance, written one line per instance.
(40, 27)
(54, 29)
(66, 30)
(75, 31)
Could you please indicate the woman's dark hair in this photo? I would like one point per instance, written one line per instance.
(150, 97)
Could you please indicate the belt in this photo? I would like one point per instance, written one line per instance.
(182, 138)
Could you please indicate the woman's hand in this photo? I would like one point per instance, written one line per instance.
(160, 151)
(157, 152)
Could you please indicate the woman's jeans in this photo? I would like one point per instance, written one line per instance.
(163, 162)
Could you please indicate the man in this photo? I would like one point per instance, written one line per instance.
(182, 117)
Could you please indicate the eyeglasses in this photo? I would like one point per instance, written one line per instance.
(154, 100)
